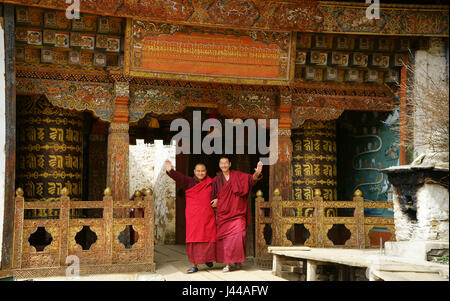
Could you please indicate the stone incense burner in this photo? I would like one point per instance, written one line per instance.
(421, 202)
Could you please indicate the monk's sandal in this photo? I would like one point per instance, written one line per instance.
(226, 269)
(192, 270)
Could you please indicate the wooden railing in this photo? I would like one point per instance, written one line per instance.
(111, 250)
(276, 218)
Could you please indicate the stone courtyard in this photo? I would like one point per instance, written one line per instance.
(171, 265)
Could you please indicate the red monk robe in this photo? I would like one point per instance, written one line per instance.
(233, 215)
(200, 220)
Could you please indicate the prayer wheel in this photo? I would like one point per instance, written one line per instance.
(49, 152)
(314, 160)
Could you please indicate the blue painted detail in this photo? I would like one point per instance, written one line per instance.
(370, 144)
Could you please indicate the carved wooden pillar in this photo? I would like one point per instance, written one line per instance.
(359, 218)
(118, 145)
(318, 218)
(281, 172)
(277, 219)
(8, 25)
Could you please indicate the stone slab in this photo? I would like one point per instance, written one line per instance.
(351, 257)
(369, 258)
(407, 276)
(274, 249)
(413, 249)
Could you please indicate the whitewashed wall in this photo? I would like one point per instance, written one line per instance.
(2, 131)
(432, 216)
(147, 171)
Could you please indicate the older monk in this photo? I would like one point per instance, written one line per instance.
(230, 194)
(200, 219)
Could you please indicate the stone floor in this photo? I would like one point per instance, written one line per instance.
(171, 265)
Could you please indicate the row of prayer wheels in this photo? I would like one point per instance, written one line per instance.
(49, 153)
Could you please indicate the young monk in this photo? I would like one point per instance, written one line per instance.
(200, 219)
(230, 193)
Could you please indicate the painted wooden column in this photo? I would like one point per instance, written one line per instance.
(281, 172)
(118, 145)
(7, 218)
(2, 125)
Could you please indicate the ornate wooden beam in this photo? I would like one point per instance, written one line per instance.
(304, 16)
(73, 95)
(238, 101)
(326, 101)
(395, 19)
(309, 100)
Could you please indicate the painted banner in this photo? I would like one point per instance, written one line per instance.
(184, 52)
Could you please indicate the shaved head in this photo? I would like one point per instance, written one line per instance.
(200, 171)
(199, 164)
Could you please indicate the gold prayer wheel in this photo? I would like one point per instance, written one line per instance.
(49, 152)
(314, 161)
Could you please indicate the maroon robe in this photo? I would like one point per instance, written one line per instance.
(232, 215)
(200, 247)
(200, 221)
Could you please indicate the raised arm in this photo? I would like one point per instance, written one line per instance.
(257, 175)
(182, 180)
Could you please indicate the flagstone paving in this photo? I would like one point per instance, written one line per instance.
(171, 265)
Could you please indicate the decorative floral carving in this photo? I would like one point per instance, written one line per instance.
(306, 15)
(233, 12)
(80, 96)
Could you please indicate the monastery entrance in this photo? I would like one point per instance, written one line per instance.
(152, 136)
(359, 144)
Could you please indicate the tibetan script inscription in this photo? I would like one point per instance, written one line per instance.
(183, 52)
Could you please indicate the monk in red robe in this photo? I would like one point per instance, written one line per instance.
(230, 194)
(200, 218)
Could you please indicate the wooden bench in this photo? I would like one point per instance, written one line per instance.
(379, 266)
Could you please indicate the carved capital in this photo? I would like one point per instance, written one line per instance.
(118, 128)
(284, 132)
(122, 89)
(285, 97)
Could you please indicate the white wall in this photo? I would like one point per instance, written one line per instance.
(2, 131)
(147, 171)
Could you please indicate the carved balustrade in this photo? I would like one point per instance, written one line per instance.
(116, 237)
(278, 223)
